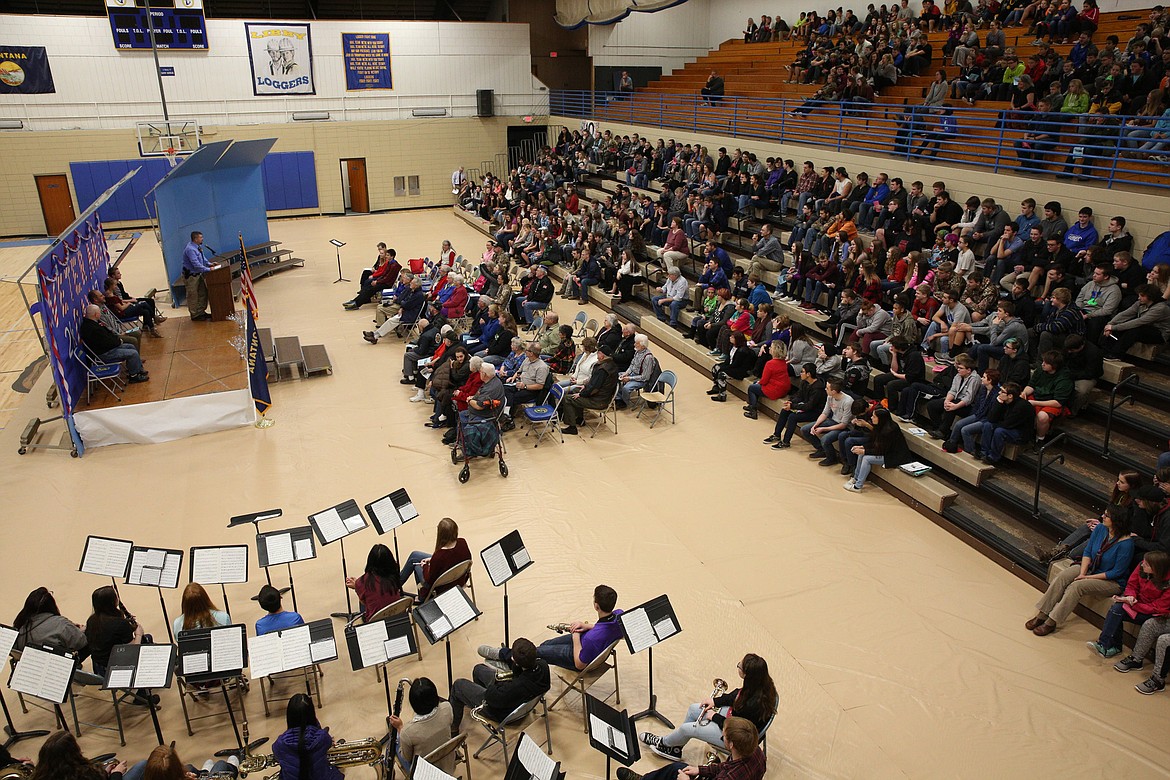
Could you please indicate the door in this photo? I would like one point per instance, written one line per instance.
(359, 195)
(56, 203)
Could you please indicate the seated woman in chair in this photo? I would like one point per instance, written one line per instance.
(379, 586)
(199, 611)
(39, 622)
(110, 625)
(428, 729)
(164, 764)
(754, 700)
(450, 550)
(302, 751)
(60, 758)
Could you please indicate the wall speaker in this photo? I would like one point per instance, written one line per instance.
(483, 100)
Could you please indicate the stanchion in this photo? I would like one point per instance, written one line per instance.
(338, 245)
(11, 735)
(349, 614)
(167, 618)
(652, 711)
(154, 716)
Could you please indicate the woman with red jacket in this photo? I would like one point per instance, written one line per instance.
(1147, 595)
(774, 383)
(456, 304)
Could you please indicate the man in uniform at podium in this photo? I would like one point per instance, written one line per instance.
(194, 266)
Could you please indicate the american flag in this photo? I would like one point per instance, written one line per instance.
(247, 291)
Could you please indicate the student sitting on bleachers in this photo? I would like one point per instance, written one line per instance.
(1050, 391)
(1145, 322)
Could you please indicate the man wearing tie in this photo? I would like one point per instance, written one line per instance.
(194, 266)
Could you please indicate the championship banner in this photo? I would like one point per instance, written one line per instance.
(367, 61)
(281, 57)
(24, 70)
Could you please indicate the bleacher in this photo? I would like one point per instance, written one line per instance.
(1005, 511)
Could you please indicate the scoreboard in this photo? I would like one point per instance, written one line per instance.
(178, 24)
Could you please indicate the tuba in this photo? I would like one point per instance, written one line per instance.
(720, 689)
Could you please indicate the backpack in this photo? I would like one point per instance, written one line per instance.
(942, 379)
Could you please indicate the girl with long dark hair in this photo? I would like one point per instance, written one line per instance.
(302, 751)
(40, 622)
(111, 624)
(60, 758)
(378, 586)
(886, 447)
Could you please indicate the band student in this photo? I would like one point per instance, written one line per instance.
(428, 729)
(60, 758)
(194, 266)
(747, 759)
(754, 700)
(303, 750)
(501, 687)
(582, 643)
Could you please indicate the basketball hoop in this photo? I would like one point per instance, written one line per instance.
(172, 155)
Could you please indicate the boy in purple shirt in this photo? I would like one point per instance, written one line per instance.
(584, 641)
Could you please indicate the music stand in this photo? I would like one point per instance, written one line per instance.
(45, 672)
(391, 511)
(529, 762)
(333, 525)
(377, 644)
(503, 561)
(645, 626)
(218, 566)
(338, 245)
(11, 735)
(611, 733)
(292, 544)
(146, 667)
(256, 518)
(158, 568)
(106, 557)
(444, 615)
(210, 655)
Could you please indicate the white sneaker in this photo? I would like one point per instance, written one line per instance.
(849, 485)
(418, 397)
(853, 487)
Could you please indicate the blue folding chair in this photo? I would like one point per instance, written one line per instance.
(106, 375)
(543, 418)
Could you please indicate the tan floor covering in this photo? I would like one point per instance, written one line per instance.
(898, 650)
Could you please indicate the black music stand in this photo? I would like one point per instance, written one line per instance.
(146, 667)
(338, 245)
(256, 518)
(645, 626)
(391, 511)
(377, 644)
(444, 615)
(291, 544)
(106, 557)
(11, 735)
(503, 561)
(530, 762)
(158, 568)
(611, 733)
(333, 525)
(45, 672)
(212, 655)
(220, 565)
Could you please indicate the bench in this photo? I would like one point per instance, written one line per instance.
(267, 347)
(316, 360)
(288, 353)
(925, 490)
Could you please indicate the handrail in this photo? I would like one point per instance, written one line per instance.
(1041, 466)
(1132, 379)
(1087, 146)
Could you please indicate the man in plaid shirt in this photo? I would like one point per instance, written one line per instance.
(747, 760)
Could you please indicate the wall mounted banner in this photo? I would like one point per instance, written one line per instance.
(281, 56)
(367, 61)
(25, 70)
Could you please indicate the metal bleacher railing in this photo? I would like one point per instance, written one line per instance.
(1087, 147)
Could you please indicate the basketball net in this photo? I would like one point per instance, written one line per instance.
(172, 155)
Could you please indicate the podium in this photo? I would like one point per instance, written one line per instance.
(219, 292)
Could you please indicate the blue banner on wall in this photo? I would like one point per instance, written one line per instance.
(367, 61)
(25, 70)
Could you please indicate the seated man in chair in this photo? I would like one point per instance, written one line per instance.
(501, 690)
(596, 394)
(108, 346)
(582, 643)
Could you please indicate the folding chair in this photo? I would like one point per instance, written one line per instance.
(723, 751)
(590, 329)
(452, 575)
(543, 418)
(456, 745)
(311, 676)
(584, 679)
(498, 732)
(662, 394)
(579, 324)
(404, 606)
(604, 416)
(105, 375)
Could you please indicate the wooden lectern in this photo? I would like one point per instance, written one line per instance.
(219, 292)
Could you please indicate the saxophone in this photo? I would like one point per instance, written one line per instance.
(360, 752)
(16, 772)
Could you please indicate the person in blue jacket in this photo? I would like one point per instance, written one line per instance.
(1102, 571)
(303, 750)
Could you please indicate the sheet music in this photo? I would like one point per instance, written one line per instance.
(441, 627)
(227, 650)
(385, 514)
(294, 648)
(141, 559)
(664, 628)
(7, 640)
(196, 663)
(371, 640)
(154, 662)
(264, 654)
(106, 557)
(215, 565)
(607, 735)
(170, 572)
(407, 511)
(538, 763)
(455, 606)
(638, 629)
(150, 575)
(496, 563)
(279, 548)
(354, 523)
(303, 548)
(43, 674)
(397, 647)
(323, 650)
(330, 524)
(427, 771)
(520, 558)
(120, 678)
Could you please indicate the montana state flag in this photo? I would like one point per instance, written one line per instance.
(257, 366)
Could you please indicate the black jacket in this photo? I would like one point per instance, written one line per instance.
(541, 290)
(624, 354)
(97, 337)
(602, 382)
(740, 363)
(1017, 415)
(503, 696)
(810, 397)
(1153, 533)
(913, 365)
(500, 344)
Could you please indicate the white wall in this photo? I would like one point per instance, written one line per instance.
(434, 64)
(667, 39)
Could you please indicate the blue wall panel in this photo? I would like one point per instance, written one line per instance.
(91, 179)
(290, 180)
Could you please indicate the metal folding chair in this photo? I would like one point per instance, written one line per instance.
(605, 416)
(311, 676)
(579, 324)
(543, 418)
(456, 745)
(722, 749)
(662, 394)
(452, 575)
(105, 375)
(404, 606)
(582, 680)
(498, 732)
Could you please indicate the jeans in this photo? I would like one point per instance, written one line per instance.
(1115, 619)
(864, 214)
(413, 563)
(690, 729)
(529, 307)
(966, 430)
(675, 307)
(983, 353)
(825, 440)
(788, 420)
(557, 651)
(864, 465)
(469, 693)
(628, 389)
(845, 445)
(124, 352)
(995, 439)
(755, 393)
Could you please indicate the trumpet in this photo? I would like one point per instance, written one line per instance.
(720, 689)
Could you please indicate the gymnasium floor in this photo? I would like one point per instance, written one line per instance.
(898, 650)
